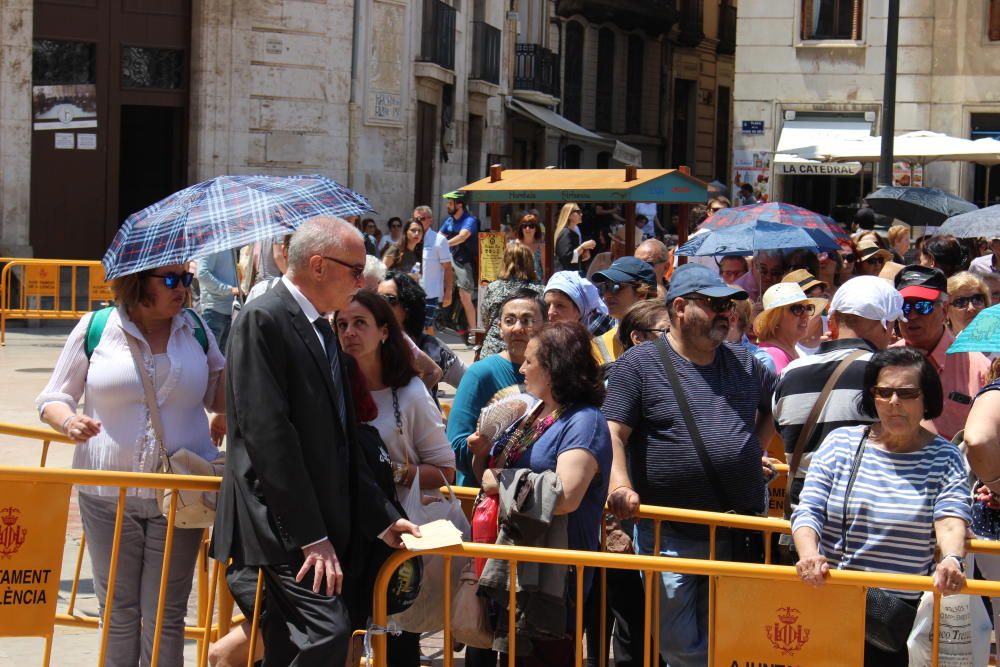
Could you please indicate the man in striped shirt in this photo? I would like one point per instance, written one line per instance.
(861, 316)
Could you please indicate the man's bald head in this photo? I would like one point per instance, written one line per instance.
(654, 252)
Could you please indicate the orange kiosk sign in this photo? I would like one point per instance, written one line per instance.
(767, 622)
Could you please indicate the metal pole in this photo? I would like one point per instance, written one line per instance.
(889, 96)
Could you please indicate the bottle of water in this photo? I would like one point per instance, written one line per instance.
(416, 269)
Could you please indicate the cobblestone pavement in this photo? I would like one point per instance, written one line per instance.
(25, 365)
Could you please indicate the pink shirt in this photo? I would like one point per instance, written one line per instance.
(962, 376)
(781, 358)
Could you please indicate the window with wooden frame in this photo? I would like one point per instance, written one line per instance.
(832, 19)
(993, 20)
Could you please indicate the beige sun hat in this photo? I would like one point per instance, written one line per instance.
(869, 248)
(788, 294)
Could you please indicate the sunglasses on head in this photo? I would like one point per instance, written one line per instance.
(922, 307)
(797, 309)
(390, 299)
(904, 393)
(977, 300)
(718, 305)
(174, 279)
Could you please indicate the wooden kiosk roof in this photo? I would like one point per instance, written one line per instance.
(667, 186)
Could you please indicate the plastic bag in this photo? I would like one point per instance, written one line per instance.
(426, 614)
(964, 636)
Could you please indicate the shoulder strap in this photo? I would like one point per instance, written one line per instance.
(855, 466)
(95, 329)
(603, 349)
(199, 330)
(810, 424)
(699, 445)
(151, 404)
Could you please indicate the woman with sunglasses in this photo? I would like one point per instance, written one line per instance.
(909, 492)
(968, 295)
(572, 252)
(114, 432)
(531, 235)
(406, 256)
(785, 321)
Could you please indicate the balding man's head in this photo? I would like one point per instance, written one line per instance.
(654, 252)
(323, 235)
(326, 259)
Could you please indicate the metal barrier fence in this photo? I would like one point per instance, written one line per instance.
(39, 293)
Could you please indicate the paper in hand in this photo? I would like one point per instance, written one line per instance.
(440, 533)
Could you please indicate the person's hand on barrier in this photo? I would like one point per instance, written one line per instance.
(217, 428)
(767, 465)
(82, 428)
(393, 535)
(948, 576)
(478, 444)
(813, 569)
(322, 560)
(623, 502)
(987, 497)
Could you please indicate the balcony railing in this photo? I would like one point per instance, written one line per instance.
(485, 52)
(536, 68)
(727, 30)
(437, 34)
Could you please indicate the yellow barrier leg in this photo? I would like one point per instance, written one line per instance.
(164, 575)
(512, 615)
(578, 649)
(76, 574)
(45, 453)
(711, 598)
(603, 660)
(655, 604)
(109, 598)
(201, 567)
(47, 658)
(207, 636)
(647, 604)
(255, 622)
(446, 650)
(936, 630)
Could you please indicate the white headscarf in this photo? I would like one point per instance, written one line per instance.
(581, 292)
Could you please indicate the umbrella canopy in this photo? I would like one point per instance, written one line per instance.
(918, 206)
(223, 213)
(921, 147)
(983, 222)
(981, 335)
(786, 214)
(750, 237)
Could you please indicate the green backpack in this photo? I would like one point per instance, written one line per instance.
(99, 320)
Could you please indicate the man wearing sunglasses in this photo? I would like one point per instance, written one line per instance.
(925, 313)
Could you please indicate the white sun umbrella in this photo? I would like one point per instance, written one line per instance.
(920, 147)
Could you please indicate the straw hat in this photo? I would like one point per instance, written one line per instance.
(788, 294)
(869, 248)
(804, 279)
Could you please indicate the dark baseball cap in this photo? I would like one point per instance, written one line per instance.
(699, 279)
(627, 270)
(920, 282)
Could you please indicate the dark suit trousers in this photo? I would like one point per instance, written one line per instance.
(302, 628)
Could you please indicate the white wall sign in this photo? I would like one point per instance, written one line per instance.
(86, 142)
(65, 141)
(818, 168)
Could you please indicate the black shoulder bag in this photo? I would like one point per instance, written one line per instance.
(888, 619)
(747, 545)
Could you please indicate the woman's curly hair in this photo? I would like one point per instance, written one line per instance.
(412, 298)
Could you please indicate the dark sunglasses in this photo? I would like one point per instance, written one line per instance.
(390, 299)
(922, 307)
(530, 225)
(717, 305)
(357, 270)
(173, 279)
(977, 300)
(877, 260)
(847, 259)
(608, 287)
(904, 393)
(797, 309)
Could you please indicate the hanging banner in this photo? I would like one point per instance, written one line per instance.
(32, 535)
(767, 622)
(753, 167)
(491, 247)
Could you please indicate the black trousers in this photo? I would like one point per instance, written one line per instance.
(302, 628)
(625, 618)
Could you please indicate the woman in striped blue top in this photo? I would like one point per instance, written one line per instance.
(910, 491)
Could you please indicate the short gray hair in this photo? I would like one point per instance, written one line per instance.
(318, 236)
(375, 269)
(424, 209)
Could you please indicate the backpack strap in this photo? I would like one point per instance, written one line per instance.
(95, 329)
(199, 330)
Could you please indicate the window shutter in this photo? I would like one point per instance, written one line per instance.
(994, 22)
(807, 12)
(856, 19)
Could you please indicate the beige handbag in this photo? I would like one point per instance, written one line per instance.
(195, 509)
(470, 623)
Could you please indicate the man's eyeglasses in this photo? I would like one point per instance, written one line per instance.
(717, 305)
(904, 393)
(390, 299)
(877, 260)
(526, 322)
(977, 300)
(174, 279)
(357, 270)
(797, 309)
(922, 307)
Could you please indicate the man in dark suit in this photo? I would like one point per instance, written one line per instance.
(294, 479)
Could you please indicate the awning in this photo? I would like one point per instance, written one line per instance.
(800, 138)
(621, 152)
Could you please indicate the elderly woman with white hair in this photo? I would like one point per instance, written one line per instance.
(570, 297)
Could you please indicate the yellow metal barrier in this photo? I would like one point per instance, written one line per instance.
(40, 294)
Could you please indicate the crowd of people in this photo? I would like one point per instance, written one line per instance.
(623, 378)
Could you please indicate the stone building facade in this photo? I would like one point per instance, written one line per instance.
(817, 66)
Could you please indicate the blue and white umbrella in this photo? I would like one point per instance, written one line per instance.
(749, 237)
(223, 213)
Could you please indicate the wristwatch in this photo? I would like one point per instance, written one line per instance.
(399, 472)
(958, 559)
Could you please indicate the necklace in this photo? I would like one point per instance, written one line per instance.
(527, 432)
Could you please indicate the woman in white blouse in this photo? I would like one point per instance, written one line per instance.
(114, 432)
(408, 420)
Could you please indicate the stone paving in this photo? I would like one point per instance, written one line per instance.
(25, 365)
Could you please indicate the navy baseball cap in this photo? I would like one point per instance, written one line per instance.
(627, 270)
(699, 279)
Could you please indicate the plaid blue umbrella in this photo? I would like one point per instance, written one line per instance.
(750, 237)
(780, 212)
(982, 334)
(223, 213)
